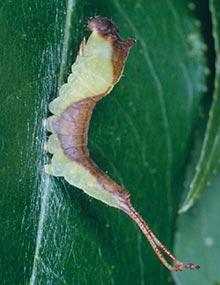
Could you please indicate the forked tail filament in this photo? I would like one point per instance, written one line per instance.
(157, 246)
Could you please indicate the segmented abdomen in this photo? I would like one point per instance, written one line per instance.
(71, 128)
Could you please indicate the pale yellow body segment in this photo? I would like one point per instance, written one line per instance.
(80, 177)
(92, 74)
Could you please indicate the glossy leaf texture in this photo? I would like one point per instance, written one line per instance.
(198, 233)
(209, 161)
(140, 134)
(198, 238)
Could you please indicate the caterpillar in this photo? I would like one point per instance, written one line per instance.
(98, 67)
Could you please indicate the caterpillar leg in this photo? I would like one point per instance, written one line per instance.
(53, 144)
(48, 169)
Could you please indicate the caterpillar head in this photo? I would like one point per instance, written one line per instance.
(103, 26)
(108, 28)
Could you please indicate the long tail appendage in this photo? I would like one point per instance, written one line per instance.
(157, 246)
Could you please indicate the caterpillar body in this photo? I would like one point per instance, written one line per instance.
(98, 67)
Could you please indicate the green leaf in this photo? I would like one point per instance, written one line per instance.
(140, 134)
(198, 233)
(209, 162)
(198, 238)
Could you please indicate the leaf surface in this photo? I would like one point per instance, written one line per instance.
(209, 161)
(198, 238)
(139, 134)
(198, 233)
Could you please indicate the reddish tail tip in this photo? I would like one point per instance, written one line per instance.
(193, 266)
(181, 267)
(160, 250)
